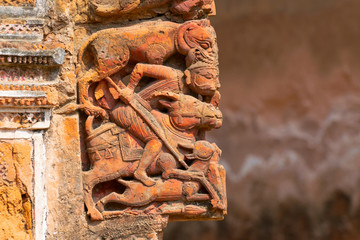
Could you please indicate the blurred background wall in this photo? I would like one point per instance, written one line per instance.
(290, 72)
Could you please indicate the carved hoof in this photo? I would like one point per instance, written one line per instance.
(95, 215)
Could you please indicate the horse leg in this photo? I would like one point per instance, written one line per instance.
(88, 179)
(222, 174)
(217, 177)
(166, 162)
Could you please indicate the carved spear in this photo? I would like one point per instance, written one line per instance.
(149, 119)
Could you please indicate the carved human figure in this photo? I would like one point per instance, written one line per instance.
(204, 154)
(187, 115)
(154, 127)
(199, 79)
(114, 49)
(202, 79)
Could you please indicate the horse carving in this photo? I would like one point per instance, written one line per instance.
(181, 118)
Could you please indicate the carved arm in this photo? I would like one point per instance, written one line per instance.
(141, 70)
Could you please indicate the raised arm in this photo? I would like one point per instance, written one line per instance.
(159, 72)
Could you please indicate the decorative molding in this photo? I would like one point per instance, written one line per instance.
(53, 57)
(22, 8)
(22, 75)
(25, 96)
(24, 119)
(18, 3)
(31, 32)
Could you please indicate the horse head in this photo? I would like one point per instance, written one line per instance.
(187, 112)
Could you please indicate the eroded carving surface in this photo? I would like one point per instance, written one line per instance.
(16, 175)
(17, 3)
(150, 92)
(184, 9)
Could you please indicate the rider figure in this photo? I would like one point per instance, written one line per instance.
(197, 78)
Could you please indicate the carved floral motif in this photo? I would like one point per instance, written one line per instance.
(22, 118)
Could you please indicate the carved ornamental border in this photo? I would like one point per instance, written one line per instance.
(22, 8)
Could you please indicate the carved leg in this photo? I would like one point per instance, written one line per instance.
(136, 194)
(217, 178)
(151, 151)
(112, 197)
(85, 104)
(191, 190)
(168, 164)
(195, 176)
(92, 212)
(222, 173)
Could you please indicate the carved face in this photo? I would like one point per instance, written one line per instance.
(187, 112)
(204, 81)
(212, 117)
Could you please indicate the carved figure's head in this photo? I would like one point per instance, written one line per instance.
(196, 34)
(201, 150)
(187, 112)
(203, 79)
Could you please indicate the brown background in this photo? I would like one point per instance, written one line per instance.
(290, 72)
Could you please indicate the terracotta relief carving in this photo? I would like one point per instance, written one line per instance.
(148, 43)
(185, 9)
(150, 93)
